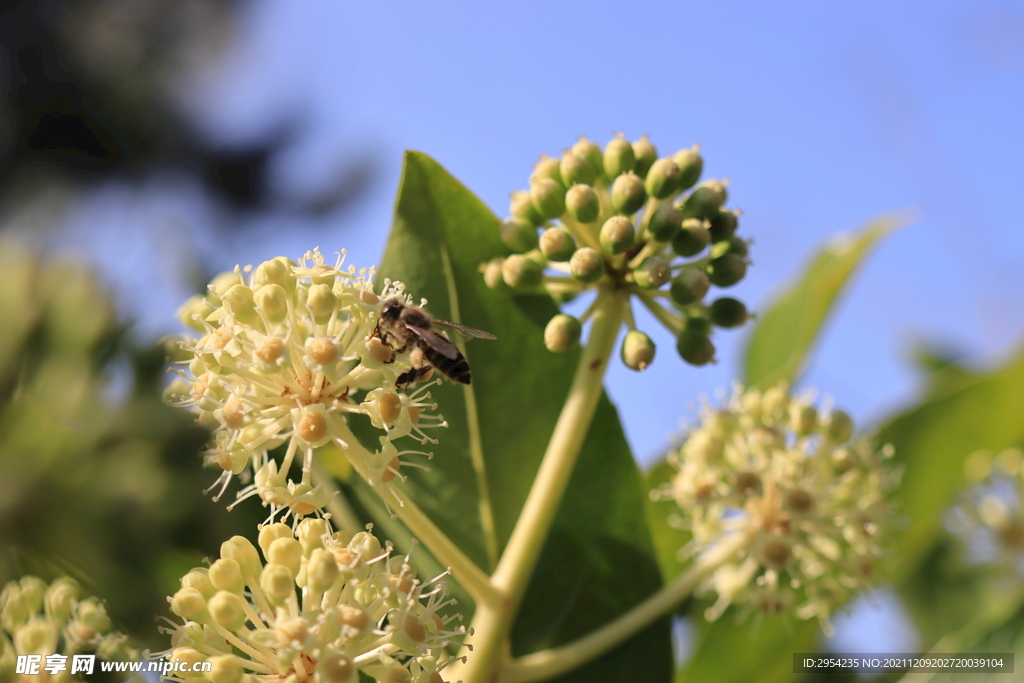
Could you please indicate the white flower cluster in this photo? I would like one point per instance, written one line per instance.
(808, 498)
(989, 519)
(332, 607)
(285, 352)
(49, 620)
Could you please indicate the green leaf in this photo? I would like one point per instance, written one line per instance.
(728, 651)
(786, 331)
(932, 440)
(599, 557)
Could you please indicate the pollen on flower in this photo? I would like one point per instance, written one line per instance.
(286, 352)
(809, 501)
(320, 606)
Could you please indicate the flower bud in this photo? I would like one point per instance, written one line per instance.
(689, 286)
(225, 669)
(521, 206)
(521, 272)
(226, 575)
(33, 636)
(60, 598)
(691, 238)
(199, 578)
(838, 426)
(547, 167)
(273, 272)
(653, 272)
(723, 224)
(311, 533)
(617, 234)
(195, 306)
(562, 333)
(548, 197)
(697, 324)
(645, 154)
(228, 610)
(586, 265)
(705, 200)
(321, 570)
(582, 203)
(221, 284)
(663, 179)
(189, 603)
(518, 234)
(728, 312)
(336, 668)
(803, 418)
(695, 348)
(576, 169)
(286, 552)
(270, 533)
(557, 244)
(321, 303)
(665, 222)
(241, 550)
(637, 350)
(690, 166)
(239, 300)
(272, 301)
(32, 591)
(618, 158)
(590, 151)
(628, 193)
(493, 276)
(278, 583)
(727, 270)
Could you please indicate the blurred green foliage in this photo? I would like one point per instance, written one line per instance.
(99, 479)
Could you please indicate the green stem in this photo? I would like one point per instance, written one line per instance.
(550, 663)
(342, 513)
(463, 569)
(491, 624)
(673, 323)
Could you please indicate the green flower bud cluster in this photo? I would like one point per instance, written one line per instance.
(41, 619)
(622, 217)
(284, 352)
(988, 520)
(803, 496)
(321, 605)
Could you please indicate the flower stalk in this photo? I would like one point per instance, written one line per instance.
(491, 623)
(547, 664)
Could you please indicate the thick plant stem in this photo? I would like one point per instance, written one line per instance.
(550, 663)
(490, 624)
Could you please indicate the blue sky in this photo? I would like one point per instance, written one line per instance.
(822, 115)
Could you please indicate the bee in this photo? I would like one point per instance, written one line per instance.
(408, 325)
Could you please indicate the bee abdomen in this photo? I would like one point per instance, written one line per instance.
(456, 369)
(460, 371)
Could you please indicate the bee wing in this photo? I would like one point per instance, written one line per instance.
(465, 331)
(435, 341)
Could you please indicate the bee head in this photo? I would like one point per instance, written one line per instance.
(391, 310)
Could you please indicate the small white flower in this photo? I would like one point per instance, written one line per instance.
(321, 606)
(285, 353)
(810, 497)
